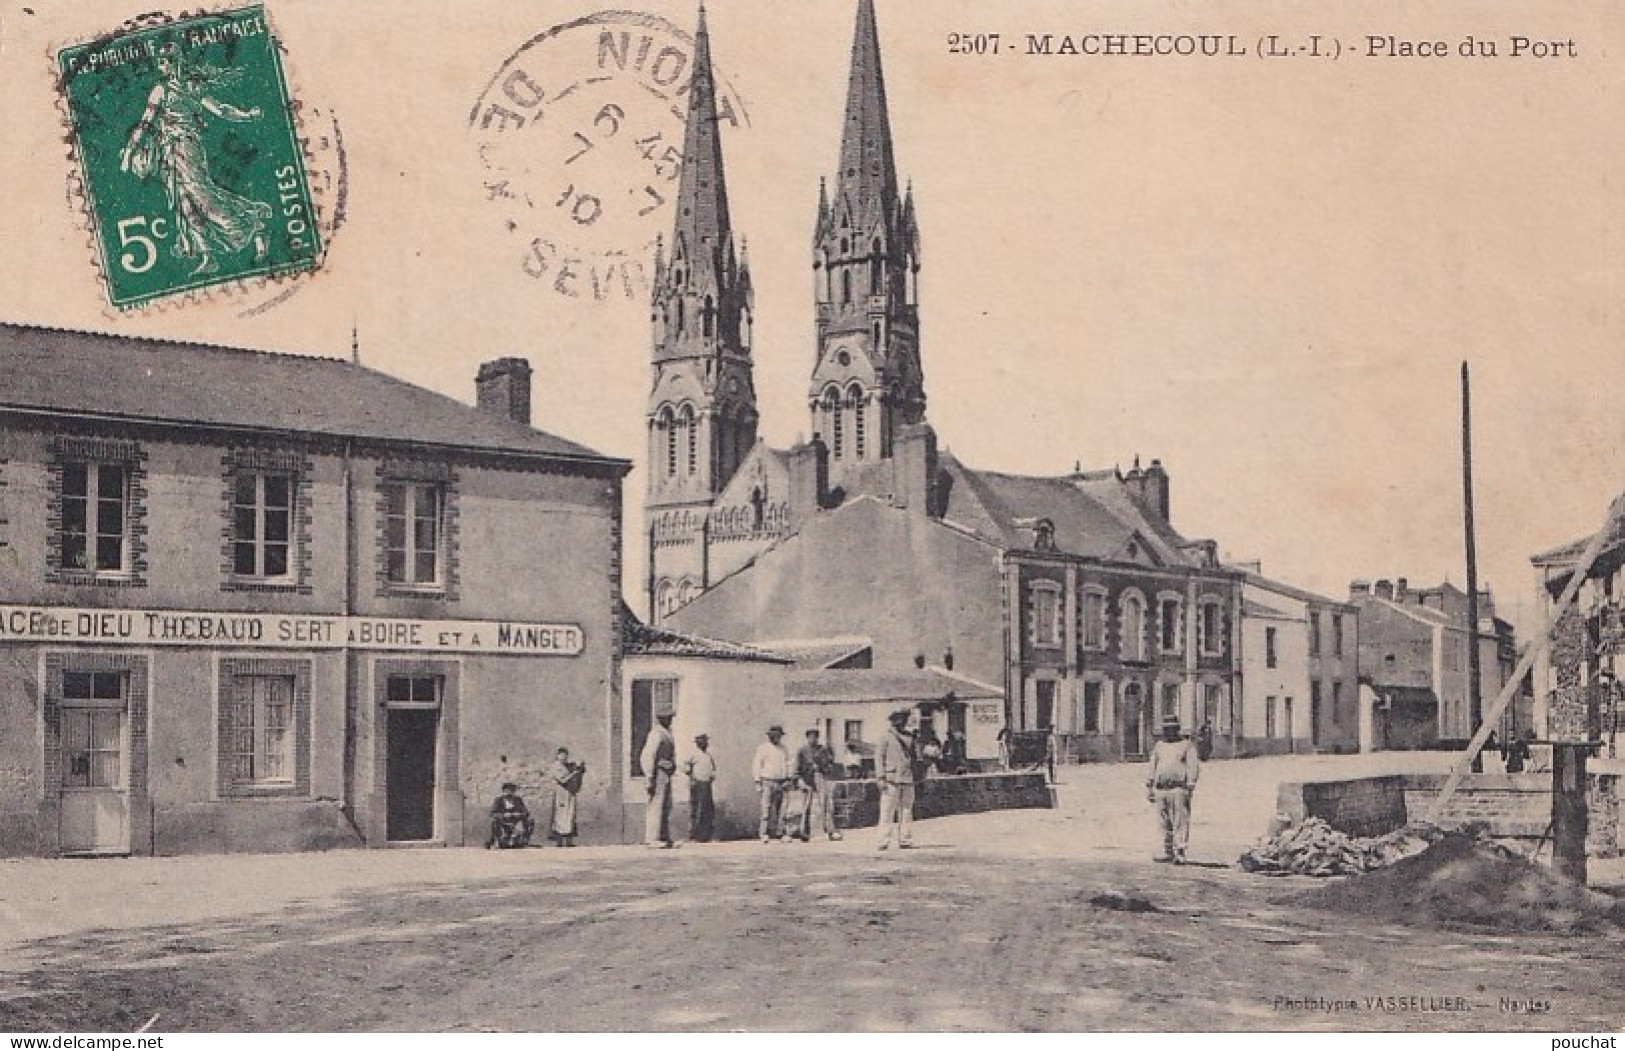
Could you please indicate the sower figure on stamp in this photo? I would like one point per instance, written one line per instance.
(1174, 770)
(896, 765)
(659, 760)
(701, 768)
(772, 772)
(168, 142)
(814, 765)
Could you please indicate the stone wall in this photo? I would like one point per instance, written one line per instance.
(1360, 806)
(1513, 806)
(857, 803)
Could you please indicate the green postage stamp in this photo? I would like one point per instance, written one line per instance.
(193, 171)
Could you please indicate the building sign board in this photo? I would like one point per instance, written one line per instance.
(302, 631)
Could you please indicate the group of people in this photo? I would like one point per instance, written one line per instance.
(902, 759)
(794, 792)
(511, 823)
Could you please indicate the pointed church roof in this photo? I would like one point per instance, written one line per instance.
(702, 224)
(868, 175)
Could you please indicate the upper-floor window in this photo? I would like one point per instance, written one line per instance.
(1314, 633)
(1132, 611)
(1270, 656)
(1169, 636)
(261, 524)
(1046, 613)
(95, 517)
(412, 533)
(1211, 627)
(1094, 620)
(1337, 634)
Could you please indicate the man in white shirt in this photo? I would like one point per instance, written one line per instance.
(701, 768)
(772, 771)
(895, 759)
(1170, 784)
(659, 760)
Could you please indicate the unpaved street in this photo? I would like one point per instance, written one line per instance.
(1002, 921)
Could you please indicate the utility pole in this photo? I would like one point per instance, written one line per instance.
(1475, 700)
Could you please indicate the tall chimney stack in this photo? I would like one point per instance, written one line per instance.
(503, 387)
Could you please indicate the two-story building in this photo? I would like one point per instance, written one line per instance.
(1298, 670)
(255, 601)
(1578, 696)
(1413, 661)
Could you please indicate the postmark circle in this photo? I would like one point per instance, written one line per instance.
(580, 136)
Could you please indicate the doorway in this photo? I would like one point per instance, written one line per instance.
(413, 735)
(1045, 695)
(95, 794)
(1133, 719)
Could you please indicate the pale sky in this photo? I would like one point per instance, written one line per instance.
(1265, 272)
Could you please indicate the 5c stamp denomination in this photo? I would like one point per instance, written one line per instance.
(193, 174)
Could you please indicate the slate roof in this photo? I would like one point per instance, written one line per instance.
(1093, 513)
(640, 639)
(137, 378)
(1289, 591)
(867, 685)
(819, 654)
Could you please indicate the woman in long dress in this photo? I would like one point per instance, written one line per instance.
(167, 141)
(566, 783)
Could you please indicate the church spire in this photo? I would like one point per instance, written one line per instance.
(702, 412)
(868, 175)
(702, 228)
(867, 383)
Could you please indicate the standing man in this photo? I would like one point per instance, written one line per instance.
(773, 773)
(659, 761)
(1175, 767)
(895, 767)
(815, 762)
(701, 768)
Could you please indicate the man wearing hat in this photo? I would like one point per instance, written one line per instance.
(773, 773)
(814, 765)
(1174, 770)
(659, 760)
(896, 769)
(701, 768)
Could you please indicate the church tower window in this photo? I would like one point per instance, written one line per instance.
(832, 405)
(854, 402)
(876, 264)
(669, 427)
(846, 285)
(691, 434)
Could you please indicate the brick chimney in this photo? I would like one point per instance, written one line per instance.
(1402, 590)
(1359, 587)
(503, 387)
(1384, 590)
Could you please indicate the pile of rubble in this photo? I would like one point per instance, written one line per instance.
(1314, 848)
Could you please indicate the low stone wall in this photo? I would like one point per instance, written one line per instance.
(1513, 806)
(857, 803)
(1519, 806)
(1360, 806)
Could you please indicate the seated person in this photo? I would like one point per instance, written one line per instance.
(511, 823)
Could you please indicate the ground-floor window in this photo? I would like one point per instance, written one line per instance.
(1269, 716)
(264, 727)
(1169, 709)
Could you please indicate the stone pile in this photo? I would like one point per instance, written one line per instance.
(1314, 848)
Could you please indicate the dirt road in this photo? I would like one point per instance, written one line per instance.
(1005, 922)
